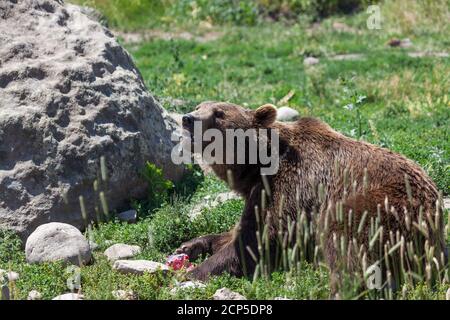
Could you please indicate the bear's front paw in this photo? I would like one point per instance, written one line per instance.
(194, 248)
(197, 274)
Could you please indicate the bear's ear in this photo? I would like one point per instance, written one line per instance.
(265, 115)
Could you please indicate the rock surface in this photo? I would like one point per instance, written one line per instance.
(227, 294)
(129, 216)
(124, 295)
(8, 276)
(69, 296)
(310, 61)
(349, 56)
(287, 114)
(447, 203)
(281, 298)
(139, 267)
(71, 94)
(34, 295)
(421, 54)
(57, 241)
(121, 251)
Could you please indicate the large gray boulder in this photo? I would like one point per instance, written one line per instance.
(57, 242)
(120, 251)
(139, 267)
(70, 94)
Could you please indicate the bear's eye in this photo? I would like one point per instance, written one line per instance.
(219, 114)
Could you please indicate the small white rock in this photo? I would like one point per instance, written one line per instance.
(225, 196)
(447, 295)
(447, 203)
(187, 285)
(34, 295)
(348, 56)
(124, 294)
(69, 296)
(121, 251)
(227, 294)
(129, 216)
(287, 114)
(406, 43)
(281, 298)
(310, 61)
(10, 275)
(139, 267)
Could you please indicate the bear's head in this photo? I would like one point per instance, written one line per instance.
(224, 115)
(225, 133)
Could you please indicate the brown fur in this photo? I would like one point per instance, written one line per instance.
(309, 151)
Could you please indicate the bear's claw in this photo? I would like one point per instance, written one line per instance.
(194, 248)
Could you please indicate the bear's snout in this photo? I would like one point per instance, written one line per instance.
(188, 122)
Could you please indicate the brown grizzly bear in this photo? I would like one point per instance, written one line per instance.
(331, 178)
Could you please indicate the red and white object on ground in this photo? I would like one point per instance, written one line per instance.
(179, 261)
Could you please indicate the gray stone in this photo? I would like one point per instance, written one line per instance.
(94, 14)
(287, 114)
(310, 61)
(121, 251)
(177, 117)
(124, 295)
(225, 196)
(8, 276)
(421, 54)
(349, 56)
(447, 203)
(69, 296)
(70, 94)
(227, 294)
(447, 295)
(129, 216)
(34, 295)
(57, 241)
(406, 43)
(342, 27)
(147, 35)
(139, 267)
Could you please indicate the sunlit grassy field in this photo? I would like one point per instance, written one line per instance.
(386, 95)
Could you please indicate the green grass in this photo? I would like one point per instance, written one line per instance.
(407, 109)
(169, 228)
(158, 235)
(408, 102)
